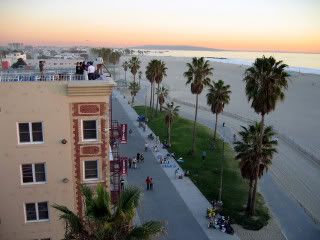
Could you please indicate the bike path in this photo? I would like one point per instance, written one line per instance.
(164, 202)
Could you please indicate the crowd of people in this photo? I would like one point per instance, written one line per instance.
(85, 69)
(89, 71)
(139, 158)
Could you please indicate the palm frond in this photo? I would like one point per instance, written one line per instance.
(147, 230)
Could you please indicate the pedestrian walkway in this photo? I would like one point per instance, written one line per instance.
(176, 201)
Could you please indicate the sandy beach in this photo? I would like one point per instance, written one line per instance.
(296, 118)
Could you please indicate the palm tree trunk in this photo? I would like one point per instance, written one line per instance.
(169, 134)
(249, 196)
(150, 94)
(153, 97)
(132, 101)
(215, 127)
(194, 126)
(125, 75)
(157, 98)
(134, 78)
(153, 92)
(254, 192)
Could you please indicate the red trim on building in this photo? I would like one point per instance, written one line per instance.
(89, 109)
(93, 109)
(77, 164)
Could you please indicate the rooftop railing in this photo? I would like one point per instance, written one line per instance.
(49, 75)
(31, 77)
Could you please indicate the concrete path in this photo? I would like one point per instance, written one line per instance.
(178, 202)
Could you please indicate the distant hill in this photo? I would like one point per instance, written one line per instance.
(176, 47)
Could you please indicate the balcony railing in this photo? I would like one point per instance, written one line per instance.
(31, 77)
(48, 75)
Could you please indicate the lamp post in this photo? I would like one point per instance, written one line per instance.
(221, 162)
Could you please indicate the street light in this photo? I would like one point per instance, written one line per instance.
(221, 162)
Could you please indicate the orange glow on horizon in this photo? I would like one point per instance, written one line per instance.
(124, 24)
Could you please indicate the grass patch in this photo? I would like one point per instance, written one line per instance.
(206, 174)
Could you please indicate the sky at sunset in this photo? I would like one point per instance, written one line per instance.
(275, 25)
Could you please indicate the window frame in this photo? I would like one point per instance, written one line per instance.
(37, 212)
(84, 171)
(34, 174)
(30, 133)
(82, 131)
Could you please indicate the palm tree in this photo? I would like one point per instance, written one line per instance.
(125, 66)
(134, 89)
(197, 75)
(151, 75)
(162, 93)
(217, 97)
(248, 152)
(134, 65)
(171, 112)
(265, 83)
(140, 76)
(161, 72)
(102, 222)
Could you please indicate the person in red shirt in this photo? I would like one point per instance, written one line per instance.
(148, 183)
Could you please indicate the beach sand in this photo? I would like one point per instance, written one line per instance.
(297, 118)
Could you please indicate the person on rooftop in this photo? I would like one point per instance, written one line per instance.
(91, 70)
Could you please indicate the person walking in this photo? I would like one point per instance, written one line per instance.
(138, 157)
(148, 183)
(134, 161)
(204, 154)
(151, 183)
(146, 146)
(122, 184)
(130, 162)
(141, 157)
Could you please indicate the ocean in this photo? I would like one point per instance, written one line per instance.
(298, 62)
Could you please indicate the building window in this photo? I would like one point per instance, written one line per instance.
(33, 173)
(91, 170)
(30, 132)
(37, 211)
(89, 128)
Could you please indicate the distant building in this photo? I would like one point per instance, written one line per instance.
(15, 46)
(54, 137)
(55, 63)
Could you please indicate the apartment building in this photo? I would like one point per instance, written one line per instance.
(54, 136)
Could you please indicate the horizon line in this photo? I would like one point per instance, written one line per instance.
(166, 45)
